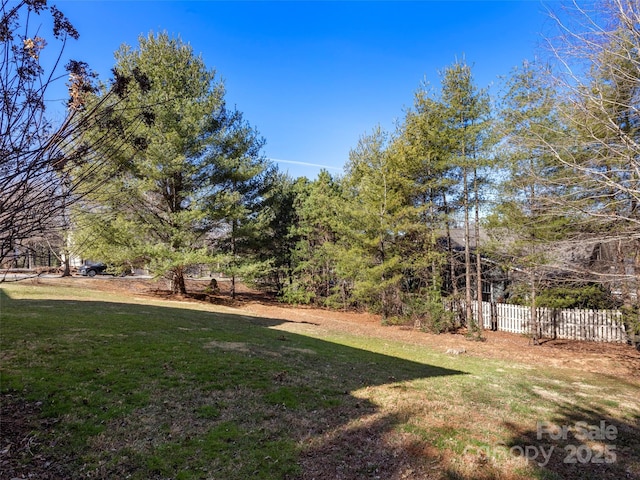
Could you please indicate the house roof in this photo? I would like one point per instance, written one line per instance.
(458, 237)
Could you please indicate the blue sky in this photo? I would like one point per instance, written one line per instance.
(313, 77)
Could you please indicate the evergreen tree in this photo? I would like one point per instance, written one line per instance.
(467, 111)
(239, 178)
(428, 165)
(319, 208)
(377, 208)
(157, 204)
(523, 226)
(277, 237)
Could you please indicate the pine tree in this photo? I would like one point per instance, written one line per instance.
(278, 237)
(523, 226)
(318, 209)
(387, 249)
(155, 206)
(467, 111)
(431, 179)
(240, 178)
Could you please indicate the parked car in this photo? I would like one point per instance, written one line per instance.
(92, 269)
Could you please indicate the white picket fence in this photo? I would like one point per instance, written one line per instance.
(571, 324)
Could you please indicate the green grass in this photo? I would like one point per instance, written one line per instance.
(126, 387)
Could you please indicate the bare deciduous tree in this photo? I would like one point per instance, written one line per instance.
(598, 50)
(37, 181)
(34, 152)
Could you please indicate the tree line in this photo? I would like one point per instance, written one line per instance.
(153, 168)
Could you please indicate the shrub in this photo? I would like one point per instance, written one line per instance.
(590, 296)
(428, 313)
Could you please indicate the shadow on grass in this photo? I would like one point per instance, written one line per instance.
(144, 391)
(581, 443)
(574, 443)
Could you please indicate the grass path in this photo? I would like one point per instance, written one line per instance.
(105, 385)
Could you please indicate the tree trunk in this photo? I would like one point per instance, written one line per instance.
(467, 253)
(621, 270)
(66, 255)
(66, 272)
(234, 228)
(66, 265)
(383, 296)
(452, 263)
(177, 282)
(452, 267)
(478, 256)
(534, 312)
(480, 319)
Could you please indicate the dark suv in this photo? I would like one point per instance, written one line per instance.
(92, 269)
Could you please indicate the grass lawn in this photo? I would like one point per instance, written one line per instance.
(104, 385)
